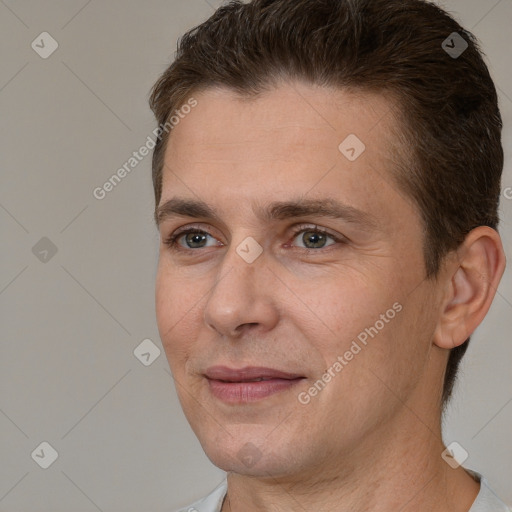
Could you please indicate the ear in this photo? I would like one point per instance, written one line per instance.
(472, 280)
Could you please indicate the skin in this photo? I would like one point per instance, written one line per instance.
(371, 439)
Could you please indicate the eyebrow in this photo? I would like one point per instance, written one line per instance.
(278, 210)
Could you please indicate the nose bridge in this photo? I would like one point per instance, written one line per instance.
(237, 297)
(236, 277)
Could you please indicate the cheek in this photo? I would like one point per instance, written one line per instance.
(394, 357)
(175, 295)
(366, 325)
(176, 315)
(165, 313)
(348, 306)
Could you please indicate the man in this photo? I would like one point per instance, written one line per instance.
(326, 179)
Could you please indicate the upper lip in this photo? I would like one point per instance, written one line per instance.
(247, 373)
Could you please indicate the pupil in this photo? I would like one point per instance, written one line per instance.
(316, 239)
(195, 237)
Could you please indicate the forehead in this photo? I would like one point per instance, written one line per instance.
(285, 122)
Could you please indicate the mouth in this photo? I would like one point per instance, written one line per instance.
(248, 384)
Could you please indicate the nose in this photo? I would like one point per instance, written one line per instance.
(242, 297)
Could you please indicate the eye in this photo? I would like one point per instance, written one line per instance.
(193, 239)
(314, 238)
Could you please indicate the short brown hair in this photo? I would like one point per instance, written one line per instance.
(450, 121)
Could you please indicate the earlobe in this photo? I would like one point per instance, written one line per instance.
(472, 280)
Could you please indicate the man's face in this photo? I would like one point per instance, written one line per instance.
(303, 304)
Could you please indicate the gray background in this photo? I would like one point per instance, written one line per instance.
(68, 374)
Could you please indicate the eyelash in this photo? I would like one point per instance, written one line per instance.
(172, 240)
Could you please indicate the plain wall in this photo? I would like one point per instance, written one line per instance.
(68, 374)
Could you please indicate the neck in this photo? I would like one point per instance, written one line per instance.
(399, 469)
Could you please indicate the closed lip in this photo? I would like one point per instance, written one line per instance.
(248, 373)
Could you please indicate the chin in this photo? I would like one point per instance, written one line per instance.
(249, 467)
(245, 455)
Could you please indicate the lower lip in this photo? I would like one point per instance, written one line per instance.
(243, 392)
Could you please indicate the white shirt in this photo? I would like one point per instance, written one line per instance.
(486, 501)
